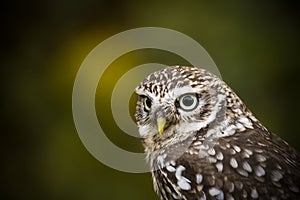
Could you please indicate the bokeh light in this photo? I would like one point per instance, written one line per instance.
(254, 44)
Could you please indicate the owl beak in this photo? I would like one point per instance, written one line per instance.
(161, 123)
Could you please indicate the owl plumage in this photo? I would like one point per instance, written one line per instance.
(202, 142)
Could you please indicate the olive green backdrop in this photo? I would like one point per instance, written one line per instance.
(254, 44)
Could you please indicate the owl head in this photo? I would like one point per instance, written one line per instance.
(178, 101)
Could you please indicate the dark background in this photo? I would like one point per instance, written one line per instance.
(254, 44)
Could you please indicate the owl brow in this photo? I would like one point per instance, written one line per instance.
(141, 91)
(184, 90)
(142, 96)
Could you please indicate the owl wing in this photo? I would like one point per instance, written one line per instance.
(251, 164)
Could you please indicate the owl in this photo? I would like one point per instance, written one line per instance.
(202, 142)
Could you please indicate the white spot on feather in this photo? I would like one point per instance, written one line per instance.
(211, 152)
(214, 191)
(170, 168)
(247, 166)
(237, 148)
(219, 156)
(276, 175)
(233, 163)
(199, 178)
(230, 186)
(259, 171)
(254, 193)
(219, 166)
(179, 171)
(246, 122)
(260, 158)
(183, 184)
(220, 196)
(240, 127)
(230, 130)
(242, 172)
(248, 152)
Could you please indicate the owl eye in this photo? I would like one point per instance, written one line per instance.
(188, 102)
(147, 103)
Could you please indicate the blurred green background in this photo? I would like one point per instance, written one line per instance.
(254, 44)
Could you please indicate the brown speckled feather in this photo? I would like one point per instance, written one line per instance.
(211, 145)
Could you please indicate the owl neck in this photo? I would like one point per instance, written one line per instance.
(233, 116)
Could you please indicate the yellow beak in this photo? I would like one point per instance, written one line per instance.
(161, 122)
